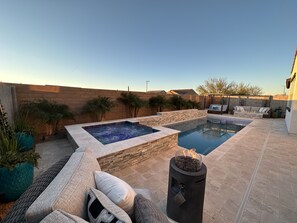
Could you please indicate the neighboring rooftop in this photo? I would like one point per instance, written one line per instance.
(157, 92)
(183, 92)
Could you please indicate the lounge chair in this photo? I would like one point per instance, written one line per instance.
(217, 109)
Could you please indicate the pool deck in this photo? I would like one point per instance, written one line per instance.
(252, 177)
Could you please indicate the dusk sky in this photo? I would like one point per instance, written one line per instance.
(174, 44)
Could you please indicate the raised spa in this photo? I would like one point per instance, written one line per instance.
(115, 132)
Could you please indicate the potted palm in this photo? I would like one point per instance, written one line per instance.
(47, 112)
(16, 167)
(98, 107)
(158, 102)
(177, 102)
(24, 132)
(133, 103)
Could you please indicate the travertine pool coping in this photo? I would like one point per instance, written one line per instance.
(81, 138)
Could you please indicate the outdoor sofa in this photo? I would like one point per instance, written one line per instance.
(252, 112)
(217, 109)
(63, 194)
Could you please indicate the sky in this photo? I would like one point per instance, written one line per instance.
(173, 44)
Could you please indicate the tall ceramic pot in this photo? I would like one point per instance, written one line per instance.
(14, 182)
(25, 141)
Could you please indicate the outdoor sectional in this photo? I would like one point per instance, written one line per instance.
(252, 112)
(62, 194)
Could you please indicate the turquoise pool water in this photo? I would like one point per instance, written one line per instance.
(206, 135)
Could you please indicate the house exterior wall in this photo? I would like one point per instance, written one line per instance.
(291, 116)
(8, 100)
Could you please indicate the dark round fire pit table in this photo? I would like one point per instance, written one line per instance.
(186, 194)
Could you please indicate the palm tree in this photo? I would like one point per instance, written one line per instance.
(192, 104)
(133, 102)
(158, 102)
(98, 107)
(49, 113)
(177, 102)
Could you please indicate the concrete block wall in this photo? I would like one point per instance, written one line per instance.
(76, 98)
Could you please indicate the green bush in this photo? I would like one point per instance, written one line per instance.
(133, 102)
(158, 102)
(98, 107)
(47, 112)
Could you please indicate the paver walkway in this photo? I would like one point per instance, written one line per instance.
(251, 178)
(51, 152)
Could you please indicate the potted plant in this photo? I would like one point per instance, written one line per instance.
(24, 132)
(47, 112)
(16, 167)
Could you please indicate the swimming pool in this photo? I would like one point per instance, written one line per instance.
(115, 132)
(205, 135)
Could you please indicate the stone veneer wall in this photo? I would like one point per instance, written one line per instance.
(164, 118)
(129, 157)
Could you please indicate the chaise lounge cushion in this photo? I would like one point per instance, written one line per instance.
(68, 191)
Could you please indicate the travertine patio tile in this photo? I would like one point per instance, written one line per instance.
(231, 168)
(249, 217)
(287, 215)
(266, 217)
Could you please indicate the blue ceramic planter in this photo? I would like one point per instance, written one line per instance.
(14, 182)
(25, 141)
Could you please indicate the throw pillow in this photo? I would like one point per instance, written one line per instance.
(101, 209)
(117, 190)
(255, 109)
(147, 212)
(261, 110)
(216, 107)
(240, 109)
(266, 110)
(62, 217)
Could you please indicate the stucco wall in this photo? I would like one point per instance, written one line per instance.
(291, 116)
(7, 98)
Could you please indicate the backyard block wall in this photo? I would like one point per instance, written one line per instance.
(117, 161)
(163, 118)
(76, 98)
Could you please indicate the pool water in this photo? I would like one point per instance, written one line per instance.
(115, 132)
(208, 135)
